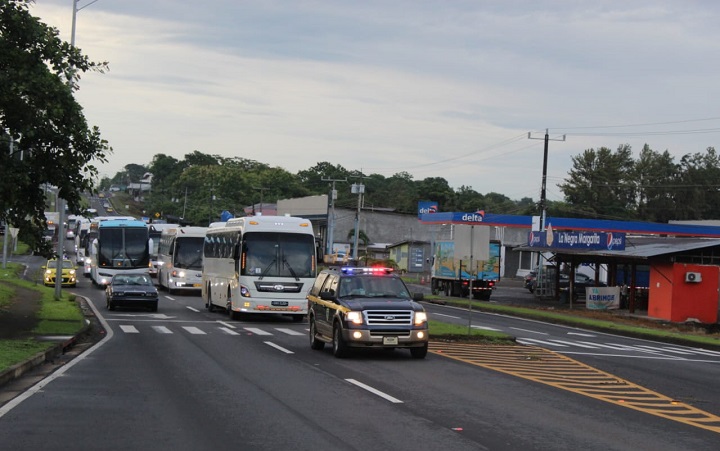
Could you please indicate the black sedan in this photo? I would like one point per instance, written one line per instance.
(131, 290)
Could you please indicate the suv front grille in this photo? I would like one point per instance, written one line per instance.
(388, 317)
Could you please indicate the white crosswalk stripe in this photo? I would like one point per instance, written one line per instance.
(129, 329)
(257, 331)
(162, 330)
(229, 331)
(194, 330)
(288, 331)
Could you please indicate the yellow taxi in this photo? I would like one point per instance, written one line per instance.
(69, 278)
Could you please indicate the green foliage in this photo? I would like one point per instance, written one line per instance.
(15, 351)
(42, 122)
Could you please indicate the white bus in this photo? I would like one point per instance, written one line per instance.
(155, 230)
(180, 258)
(121, 246)
(259, 264)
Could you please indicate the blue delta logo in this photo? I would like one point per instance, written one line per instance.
(478, 216)
(429, 209)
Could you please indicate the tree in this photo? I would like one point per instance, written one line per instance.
(600, 183)
(655, 176)
(45, 137)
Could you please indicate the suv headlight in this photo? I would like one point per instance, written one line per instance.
(420, 318)
(355, 317)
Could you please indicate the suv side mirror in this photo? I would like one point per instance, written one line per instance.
(328, 295)
(417, 297)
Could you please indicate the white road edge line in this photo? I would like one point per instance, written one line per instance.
(374, 391)
(286, 351)
(60, 371)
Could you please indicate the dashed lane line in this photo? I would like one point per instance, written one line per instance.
(556, 370)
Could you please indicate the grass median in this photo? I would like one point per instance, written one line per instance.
(52, 317)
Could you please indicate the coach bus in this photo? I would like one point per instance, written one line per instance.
(180, 258)
(155, 231)
(259, 264)
(121, 246)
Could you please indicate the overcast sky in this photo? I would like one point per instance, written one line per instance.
(434, 88)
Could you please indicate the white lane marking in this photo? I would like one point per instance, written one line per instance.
(129, 329)
(374, 391)
(63, 369)
(162, 329)
(663, 349)
(447, 316)
(486, 328)
(192, 308)
(288, 331)
(256, 331)
(621, 347)
(286, 351)
(527, 341)
(194, 330)
(229, 331)
(575, 343)
(228, 325)
(582, 335)
(528, 330)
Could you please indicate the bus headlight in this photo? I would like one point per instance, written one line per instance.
(420, 318)
(244, 292)
(354, 317)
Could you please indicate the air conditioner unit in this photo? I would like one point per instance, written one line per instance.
(693, 277)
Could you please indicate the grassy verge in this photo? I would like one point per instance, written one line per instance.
(440, 331)
(16, 351)
(56, 317)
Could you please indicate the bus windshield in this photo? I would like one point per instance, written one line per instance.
(123, 247)
(271, 254)
(189, 252)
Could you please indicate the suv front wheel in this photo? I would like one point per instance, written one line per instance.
(314, 342)
(339, 347)
(419, 353)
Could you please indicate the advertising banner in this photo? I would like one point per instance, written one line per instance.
(578, 240)
(602, 298)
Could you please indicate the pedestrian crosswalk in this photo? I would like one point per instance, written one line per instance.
(556, 344)
(212, 329)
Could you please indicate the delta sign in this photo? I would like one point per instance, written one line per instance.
(611, 241)
(427, 207)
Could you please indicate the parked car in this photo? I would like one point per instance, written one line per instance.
(131, 290)
(582, 281)
(68, 273)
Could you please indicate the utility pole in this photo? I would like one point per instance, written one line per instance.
(359, 189)
(262, 190)
(331, 216)
(543, 190)
(543, 201)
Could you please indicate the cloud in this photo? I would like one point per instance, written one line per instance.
(435, 89)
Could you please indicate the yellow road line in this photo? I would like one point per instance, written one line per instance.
(550, 368)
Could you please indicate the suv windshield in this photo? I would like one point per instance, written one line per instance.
(373, 287)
